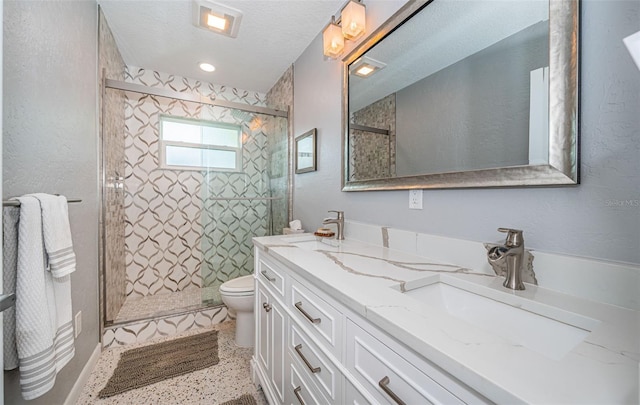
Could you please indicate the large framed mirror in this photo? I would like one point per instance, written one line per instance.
(464, 93)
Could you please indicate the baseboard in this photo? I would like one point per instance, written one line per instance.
(75, 392)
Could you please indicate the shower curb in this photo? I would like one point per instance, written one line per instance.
(170, 325)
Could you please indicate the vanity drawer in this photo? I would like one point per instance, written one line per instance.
(271, 273)
(300, 391)
(322, 320)
(313, 363)
(388, 377)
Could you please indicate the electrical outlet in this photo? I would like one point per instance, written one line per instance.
(415, 199)
(78, 323)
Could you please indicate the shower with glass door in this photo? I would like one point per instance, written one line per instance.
(189, 180)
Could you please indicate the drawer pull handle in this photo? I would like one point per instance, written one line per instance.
(306, 314)
(266, 275)
(306, 362)
(267, 307)
(296, 391)
(384, 384)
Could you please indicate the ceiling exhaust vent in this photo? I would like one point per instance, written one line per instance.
(216, 17)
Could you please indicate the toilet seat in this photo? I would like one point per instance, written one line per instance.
(238, 286)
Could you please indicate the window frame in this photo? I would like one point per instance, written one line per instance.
(162, 144)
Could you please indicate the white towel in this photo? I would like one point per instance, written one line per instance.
(44, 332)
(57, 234)
(9, 268)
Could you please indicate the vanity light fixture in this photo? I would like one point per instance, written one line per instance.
(216, 17)
(207, 67)
(332, 39)
(352, 18)
(365, 67)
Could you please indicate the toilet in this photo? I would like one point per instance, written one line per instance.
(237, 294)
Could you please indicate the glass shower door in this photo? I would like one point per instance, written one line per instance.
(238, 206)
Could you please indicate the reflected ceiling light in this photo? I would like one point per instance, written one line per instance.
(365, 67)
(207, 67)
(352, 18)
(216, 17)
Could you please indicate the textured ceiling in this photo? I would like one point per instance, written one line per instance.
(160, 35)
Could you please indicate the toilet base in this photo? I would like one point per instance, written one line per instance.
(245, 329)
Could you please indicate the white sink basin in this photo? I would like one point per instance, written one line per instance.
(547, 330)
(311, 242)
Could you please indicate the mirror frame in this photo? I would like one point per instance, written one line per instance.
(563, 166)
(309, 134)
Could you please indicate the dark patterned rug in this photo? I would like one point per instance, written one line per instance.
(149, 364)
(246, 399)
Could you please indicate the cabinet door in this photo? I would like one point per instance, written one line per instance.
(277, 340)
(263, 332)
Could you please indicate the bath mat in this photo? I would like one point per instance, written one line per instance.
(149, 364)
(246, 399)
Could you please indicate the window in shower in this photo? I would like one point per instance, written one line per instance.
(187, 144)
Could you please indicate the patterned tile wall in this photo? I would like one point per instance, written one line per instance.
(373, 155)
(112, 124)
(137, 332)
(178, 235)
(278, 139)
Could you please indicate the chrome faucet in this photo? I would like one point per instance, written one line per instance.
(339, 221)
(512, 252)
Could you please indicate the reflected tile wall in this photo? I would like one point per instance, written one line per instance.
(373, 155)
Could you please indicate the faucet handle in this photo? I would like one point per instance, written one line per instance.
(339, 213)
(514, 237)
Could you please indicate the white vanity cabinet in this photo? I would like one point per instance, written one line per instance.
(270, 351)
(310, 349)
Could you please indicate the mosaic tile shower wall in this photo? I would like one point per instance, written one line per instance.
(189, 229)
(112, 130)
(373, 155)
(280, 97)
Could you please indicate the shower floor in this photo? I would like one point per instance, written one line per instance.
(152, 306)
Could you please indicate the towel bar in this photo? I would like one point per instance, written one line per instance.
(16, 203)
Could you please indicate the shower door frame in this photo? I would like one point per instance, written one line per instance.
(141, 89)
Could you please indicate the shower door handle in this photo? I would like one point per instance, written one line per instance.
(7, 301)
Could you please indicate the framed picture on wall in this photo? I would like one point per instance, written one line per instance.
(305, 152)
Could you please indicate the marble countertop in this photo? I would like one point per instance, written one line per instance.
(602, 368)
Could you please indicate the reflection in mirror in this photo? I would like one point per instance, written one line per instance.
(460, 86)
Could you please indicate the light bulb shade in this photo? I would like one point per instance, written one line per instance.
(332, 40)
(353, 20)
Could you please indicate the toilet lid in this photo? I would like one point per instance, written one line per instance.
(240, 284)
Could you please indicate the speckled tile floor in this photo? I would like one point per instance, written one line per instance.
(227, 380)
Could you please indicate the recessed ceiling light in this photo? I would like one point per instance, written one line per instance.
(207, 67)
(215, 21)
(216, 17)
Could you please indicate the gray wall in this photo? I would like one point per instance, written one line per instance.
(473, 114)
(592, 219)
(50, 143)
